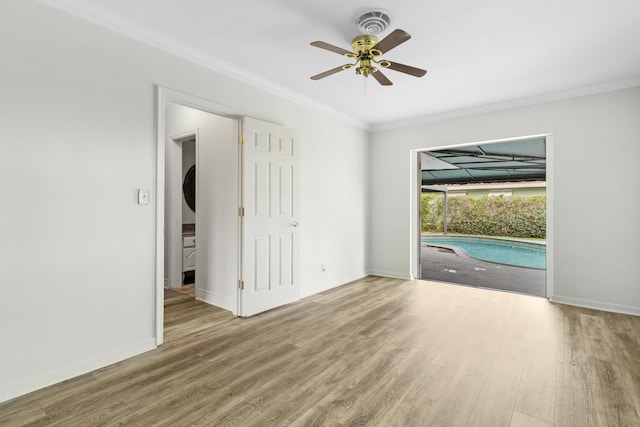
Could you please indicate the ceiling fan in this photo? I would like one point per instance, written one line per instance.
(366, 52)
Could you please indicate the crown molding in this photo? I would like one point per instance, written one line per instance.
(516, 103)
(126, 27)
(119, 24)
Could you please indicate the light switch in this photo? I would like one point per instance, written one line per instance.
(143, 196)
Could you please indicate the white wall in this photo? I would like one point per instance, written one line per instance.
(77, 115)
(595, 178)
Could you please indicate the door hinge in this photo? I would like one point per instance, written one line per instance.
(240, 211)
(241, 284)
(241, 139)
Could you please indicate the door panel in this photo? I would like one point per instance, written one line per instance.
(262, 187)
(286, 260)
(270, 252)
(286, 190)
(261, 267)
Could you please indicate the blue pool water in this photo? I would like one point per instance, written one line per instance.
(521, 254)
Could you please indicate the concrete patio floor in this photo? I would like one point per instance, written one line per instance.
(444, 265)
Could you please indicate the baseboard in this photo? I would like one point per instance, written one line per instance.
(597, 305)
(337, 283)
(217, 300)
(390, 274)
(39, 381)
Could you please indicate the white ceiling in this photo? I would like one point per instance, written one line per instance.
(480, 55)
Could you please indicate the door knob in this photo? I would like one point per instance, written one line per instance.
(295, 223)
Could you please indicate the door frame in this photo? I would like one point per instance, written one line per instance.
(174, 249)
(166, 96)
(415, 201)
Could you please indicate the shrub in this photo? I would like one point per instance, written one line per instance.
(513, 216)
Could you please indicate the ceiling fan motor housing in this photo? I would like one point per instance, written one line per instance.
(364, 52)
(372, 21)
(363, 44)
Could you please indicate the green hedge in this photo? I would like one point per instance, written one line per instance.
(513, 216)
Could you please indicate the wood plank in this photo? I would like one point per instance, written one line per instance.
(497, 397)
(376, 351)
(537, 384)
(522, 420)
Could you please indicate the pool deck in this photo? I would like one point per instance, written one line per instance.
(444, 265)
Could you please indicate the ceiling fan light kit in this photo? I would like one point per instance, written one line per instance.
(367, 48)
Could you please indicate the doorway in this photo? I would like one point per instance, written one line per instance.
(216, 130)
(215, 221)
(247, 215)
(497, 230)
(180, 194)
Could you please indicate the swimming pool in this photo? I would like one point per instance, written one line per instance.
(503, 251)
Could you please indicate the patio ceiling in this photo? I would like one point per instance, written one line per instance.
(511, 161)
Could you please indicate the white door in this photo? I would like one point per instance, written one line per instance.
(270, 229)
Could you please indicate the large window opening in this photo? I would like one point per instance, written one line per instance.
(483, 210)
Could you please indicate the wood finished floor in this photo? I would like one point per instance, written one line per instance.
(377, 352)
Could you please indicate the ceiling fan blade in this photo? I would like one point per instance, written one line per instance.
(392, 40)
(418, 72)
(332, 48)
(381, 78)
(328, 73)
